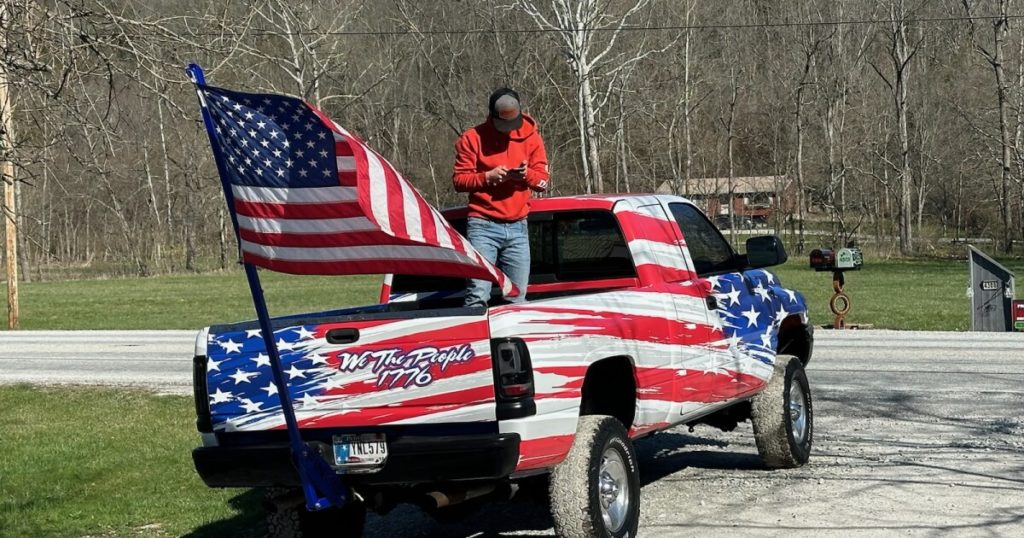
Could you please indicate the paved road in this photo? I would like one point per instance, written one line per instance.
(157, 359)
(917, 433)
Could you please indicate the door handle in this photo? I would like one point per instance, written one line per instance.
(711, 301)
(342, 336)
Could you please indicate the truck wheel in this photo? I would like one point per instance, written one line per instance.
(783, 416)
(297, 522)
(595, 492)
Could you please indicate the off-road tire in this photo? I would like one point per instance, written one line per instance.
(771, 416)
(297, 522)
(575, 493)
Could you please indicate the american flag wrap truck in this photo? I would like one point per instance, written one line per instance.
(639, 316)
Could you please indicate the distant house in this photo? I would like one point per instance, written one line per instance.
(757, 197)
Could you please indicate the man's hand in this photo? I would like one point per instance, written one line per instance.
(496, 175)
(518, 172)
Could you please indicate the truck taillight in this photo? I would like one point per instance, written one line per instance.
(513, 376)
(201, 394)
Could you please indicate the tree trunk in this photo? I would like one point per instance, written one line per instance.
(1006, 208)
(901, 58)
(590, 121)
(169, 232)
(581, 119)
(688, 107)
(623, 153)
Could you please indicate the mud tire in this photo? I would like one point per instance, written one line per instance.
(297, 522)
(575, 483)
(771, 415)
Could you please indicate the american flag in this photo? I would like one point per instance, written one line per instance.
(752, 306)
(310, 197)
(239, 376)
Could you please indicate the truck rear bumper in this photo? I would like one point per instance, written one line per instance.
(411, 460)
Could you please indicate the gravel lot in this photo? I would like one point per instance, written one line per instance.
(916, 433)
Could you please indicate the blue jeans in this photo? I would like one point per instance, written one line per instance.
(505, 244)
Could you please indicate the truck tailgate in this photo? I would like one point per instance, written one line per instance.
(365, 371)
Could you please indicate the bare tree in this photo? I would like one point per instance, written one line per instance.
(995, 57)
(578, 26)
(900, 53)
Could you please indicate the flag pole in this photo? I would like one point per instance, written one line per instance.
(320, 484)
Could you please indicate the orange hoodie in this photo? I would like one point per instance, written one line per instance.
(483, 148)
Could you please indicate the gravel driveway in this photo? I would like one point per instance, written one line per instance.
(916, 433)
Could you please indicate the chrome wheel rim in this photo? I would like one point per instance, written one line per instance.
(797, 412)
(613, 490)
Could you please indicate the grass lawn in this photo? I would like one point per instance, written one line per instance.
(924, 295)
(897, 294)
(106, 462)
(184, 301)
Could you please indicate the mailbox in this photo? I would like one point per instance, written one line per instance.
(823, 259)
(991, 293)
(849, 259)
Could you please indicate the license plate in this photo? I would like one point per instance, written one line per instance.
(360, 452)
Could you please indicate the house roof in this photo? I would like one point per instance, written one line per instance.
(707, 186)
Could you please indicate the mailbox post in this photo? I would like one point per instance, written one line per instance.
(1018, 315)
(845, 259)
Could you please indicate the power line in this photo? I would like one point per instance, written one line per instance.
(660, 28)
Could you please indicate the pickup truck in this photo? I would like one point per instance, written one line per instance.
(640, 316)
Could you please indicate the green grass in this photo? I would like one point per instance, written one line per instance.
(918, 294)
(187, 301)
(86, 461)
(925, 295)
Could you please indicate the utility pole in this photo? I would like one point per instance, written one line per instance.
(7, 172)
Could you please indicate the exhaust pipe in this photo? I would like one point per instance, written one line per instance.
(435, 500)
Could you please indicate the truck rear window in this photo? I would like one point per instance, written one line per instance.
(566, 246)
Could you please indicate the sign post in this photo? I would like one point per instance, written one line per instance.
(845, 259)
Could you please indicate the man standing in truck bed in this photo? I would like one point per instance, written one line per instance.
(499, 163)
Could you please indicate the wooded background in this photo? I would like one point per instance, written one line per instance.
(901, 122)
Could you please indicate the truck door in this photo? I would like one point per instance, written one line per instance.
(738, 305)
(697, 377)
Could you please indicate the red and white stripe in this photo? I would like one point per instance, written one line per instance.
(374, 221)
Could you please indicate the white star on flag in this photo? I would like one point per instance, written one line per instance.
(251, 406)
(762, 292)
(241, 376)
(733, 296)
(261, 360)
(284, 345)
(792, 295)
(317, 358)
(751, 316)
(212, 365)
(271, 389)
(308, 400)
(766, 340)
(714, 281)
(768, 276)
(294, 372)
(231, 346)
(220, 397)
(780, 316)
(253, 333)
(305, 334)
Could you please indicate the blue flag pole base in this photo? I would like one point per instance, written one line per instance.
(321, 486)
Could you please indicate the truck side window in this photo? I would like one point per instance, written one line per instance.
(576, 246)
(709, 250)
(565, 246)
